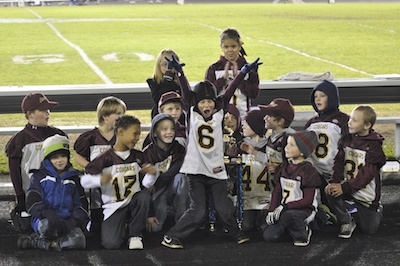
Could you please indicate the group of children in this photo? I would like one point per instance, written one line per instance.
(287, 179)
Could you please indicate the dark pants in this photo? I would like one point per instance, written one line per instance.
(194, 216)
(134, 215)
(367, 220)
(292, 222)
(253, 219)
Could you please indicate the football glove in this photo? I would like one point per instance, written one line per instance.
(251, 66)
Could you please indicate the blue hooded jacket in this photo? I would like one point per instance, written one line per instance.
(61, 192)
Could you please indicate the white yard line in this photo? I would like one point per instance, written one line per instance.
(80, 51)
(66, 20)
(316, 58)
(296, 51)
(372, 27)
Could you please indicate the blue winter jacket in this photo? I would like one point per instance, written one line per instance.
(63, 193)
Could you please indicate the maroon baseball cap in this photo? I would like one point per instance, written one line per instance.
(36, 101)
(170, 96)
(279, 107)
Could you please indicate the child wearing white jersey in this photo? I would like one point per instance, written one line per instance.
(330, 124)
(357, 177)
(204, 160)
(126, 207)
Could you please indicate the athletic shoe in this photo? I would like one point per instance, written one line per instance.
(135, 242)
(304, 242)
(171, 242)
(346, 230)
(32, 242)
(242, 239)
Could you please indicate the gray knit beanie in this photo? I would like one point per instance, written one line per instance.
(307, 141)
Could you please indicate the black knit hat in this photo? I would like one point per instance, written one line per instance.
(205, 90)
(306, 141)
(255, 119)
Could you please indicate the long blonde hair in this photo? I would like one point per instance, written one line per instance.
(158, 75)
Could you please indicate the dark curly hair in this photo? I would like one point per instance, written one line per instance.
(125, 121)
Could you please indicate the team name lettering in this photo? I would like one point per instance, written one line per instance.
(163, 165)
(288, 184)
(103, 150)
(355, 154)
(320, 127)
(123, 169)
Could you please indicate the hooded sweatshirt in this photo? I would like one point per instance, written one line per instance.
(168, 162)
(364, 156)
(329, 125)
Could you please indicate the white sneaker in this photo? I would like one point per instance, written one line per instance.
(135, 242)
(346, 230)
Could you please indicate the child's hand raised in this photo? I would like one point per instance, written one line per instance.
(251, 66)
(174, 64)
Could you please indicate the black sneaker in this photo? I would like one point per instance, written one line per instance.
(346, 230)
(304, 242)
(242, 239)
(32, 242)
(171, 242)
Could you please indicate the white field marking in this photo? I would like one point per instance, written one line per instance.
(82, 53)
(94, 259)
(317, 58)
(372, 27)
(114, 56)
(298, 52)
(3, 185)
(153, 259)
(111, 57)
(44, 58)
(66, 20)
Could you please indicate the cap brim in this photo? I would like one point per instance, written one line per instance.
(47, 105)
(266, 110)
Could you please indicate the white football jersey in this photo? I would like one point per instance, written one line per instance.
(354, 160)
(205, 148)
(324, 154)
(256, 184)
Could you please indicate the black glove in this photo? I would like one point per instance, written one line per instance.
(53, 219)
(251, 66)
(66, 226)
(21, 206)
(174, 64)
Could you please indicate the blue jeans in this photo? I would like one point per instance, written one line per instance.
(367, 220)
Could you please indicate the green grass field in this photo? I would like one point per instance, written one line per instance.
(351, 40)
(118, 44)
